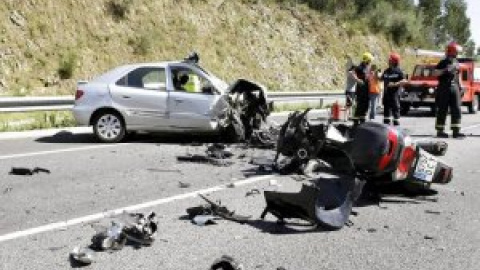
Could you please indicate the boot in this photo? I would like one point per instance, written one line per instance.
(458, 135)
(442, 134)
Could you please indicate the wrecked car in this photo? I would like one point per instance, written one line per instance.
(175, 96)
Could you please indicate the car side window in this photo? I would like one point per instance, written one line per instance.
(187, 80)
(152, 78)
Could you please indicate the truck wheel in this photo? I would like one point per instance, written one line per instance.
(404, 109)
(473, 106)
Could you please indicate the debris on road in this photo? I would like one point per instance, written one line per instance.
(252, 192)
(226, 263)
(164, 170)
(215, 210)
(205, 160)
(433, 212)
(136, 228)
(83, 256)
(216, 154)
(184, 185)
(219, 151)
(27, 171)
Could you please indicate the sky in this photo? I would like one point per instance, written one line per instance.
(473, 7)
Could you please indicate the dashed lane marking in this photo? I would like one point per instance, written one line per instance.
(116, 212)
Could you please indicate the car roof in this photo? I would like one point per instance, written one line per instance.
(114, 73)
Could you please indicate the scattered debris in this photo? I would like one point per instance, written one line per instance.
(252, 192)
(27, 171)
(219, 151)
(433, 212)
(205, 159)
(137, 229)
(231, 185)
(7, 190)
(84, 256)
(202, 220)
(184, 185)
(164, 170)
(226, 263)
(215, 209)
(372, 230)
(428, 237)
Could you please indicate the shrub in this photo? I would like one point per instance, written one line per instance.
(67, 65)
(119, 8)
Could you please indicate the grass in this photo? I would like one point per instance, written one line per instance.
(296, 107)
(35, 120)
(287, 47)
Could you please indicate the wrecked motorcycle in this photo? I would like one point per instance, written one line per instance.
(347, 158)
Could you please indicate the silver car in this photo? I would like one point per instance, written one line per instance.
(177, 96)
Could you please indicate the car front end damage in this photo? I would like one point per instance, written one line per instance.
(242, 111)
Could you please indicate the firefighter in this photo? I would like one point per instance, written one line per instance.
(393, 78)
(449, 92)
(360, 74)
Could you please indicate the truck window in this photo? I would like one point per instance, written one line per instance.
(422, 71)
(465, 75)
(476, 74)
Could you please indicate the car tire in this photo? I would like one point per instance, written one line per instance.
(109, 127)
(473, 106)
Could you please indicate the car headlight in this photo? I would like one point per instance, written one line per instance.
(431, 90)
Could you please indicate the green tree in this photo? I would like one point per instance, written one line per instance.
(431, 10)
(456, 22)
(469, 48)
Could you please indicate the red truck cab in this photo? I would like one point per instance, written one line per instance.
(420, 90)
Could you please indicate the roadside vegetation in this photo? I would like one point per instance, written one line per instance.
(35, 120)
(46, 46)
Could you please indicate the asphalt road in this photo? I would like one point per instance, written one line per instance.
(44, 216)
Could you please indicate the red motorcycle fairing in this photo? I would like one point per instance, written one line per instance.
(376, 148)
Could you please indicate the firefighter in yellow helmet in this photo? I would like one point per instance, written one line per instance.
(360, 74)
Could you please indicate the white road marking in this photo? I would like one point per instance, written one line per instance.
(116, 212)
(60, 151)
(471, 127)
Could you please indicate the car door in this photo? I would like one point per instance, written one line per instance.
(190, 105)
(142, 98)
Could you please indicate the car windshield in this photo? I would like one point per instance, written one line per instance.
(424, 71)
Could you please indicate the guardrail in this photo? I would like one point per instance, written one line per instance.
(63, 103)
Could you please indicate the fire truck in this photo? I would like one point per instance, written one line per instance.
(420, 89)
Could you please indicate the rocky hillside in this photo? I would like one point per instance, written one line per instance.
(47, 45)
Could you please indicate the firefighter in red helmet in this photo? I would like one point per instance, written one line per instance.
(393, 78)
(449, 92)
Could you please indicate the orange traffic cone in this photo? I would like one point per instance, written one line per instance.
(335, 111)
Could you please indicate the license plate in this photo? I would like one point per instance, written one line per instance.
(425, 167)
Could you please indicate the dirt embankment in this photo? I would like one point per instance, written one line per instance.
(47, 45)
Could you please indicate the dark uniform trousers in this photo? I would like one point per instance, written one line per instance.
(391, 106)
(448, 96)
(362, 101)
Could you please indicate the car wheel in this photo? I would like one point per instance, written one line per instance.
(109, 127)
(473, 106)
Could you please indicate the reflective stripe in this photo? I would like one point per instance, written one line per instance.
(455, 125)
